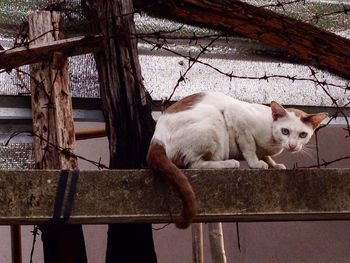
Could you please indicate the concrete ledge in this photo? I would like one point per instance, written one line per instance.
(27, 197)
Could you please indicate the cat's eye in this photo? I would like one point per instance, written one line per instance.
(302, 135)
(285, 131)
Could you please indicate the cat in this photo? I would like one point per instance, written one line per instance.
(210, 130)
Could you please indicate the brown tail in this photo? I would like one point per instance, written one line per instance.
(159, 162)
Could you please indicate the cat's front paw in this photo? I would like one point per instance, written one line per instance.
(259, 165)
(231, 164)
(280, 166)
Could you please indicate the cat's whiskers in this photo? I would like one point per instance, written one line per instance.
(310, 146)
(308, 151)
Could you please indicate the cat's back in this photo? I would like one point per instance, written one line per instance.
(203, 104)
(196, 108)
(219, 100)
(195, 112)
(242, 108)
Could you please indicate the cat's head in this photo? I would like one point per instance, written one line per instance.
(293, 128)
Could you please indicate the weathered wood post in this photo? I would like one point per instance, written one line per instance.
(197, 243)
(127, 111)
(216, 240)
(16, 244)
(53, 127)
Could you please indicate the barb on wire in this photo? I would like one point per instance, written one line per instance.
(22, 84)
(282, 4)
(316, 17)
(345, 9)
(325, 163)
(191, 63)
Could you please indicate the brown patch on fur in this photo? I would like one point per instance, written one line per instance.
(311, 119)
(159, 163)
(185, 103)
(298, 113)
(207, 156)
(315, 119)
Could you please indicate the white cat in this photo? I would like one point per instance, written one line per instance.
(210, 130)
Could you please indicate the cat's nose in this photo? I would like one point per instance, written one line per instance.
(292, 146)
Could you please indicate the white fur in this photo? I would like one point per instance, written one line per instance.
(219, 130)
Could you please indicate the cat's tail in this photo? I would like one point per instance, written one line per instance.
(159, 162)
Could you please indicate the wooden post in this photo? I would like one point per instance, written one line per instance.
(53, 127)
(127, 110)
(197, 243)
(16, 244)
(216, 240)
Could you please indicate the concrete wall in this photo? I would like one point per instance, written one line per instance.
(268, 242)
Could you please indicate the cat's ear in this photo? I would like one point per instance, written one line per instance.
(315, 119)
(277, 110)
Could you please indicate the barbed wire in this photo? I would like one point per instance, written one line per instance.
(316, 17)
(339, 109)
(231, 75)
(283, 4)
(191, 63)
(324, 163)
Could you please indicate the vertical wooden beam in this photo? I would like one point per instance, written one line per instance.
(127, 111)
(16, 244)
(197, 243)
(53, 128)
(216, 240)
(125, 102)
(51, 98)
